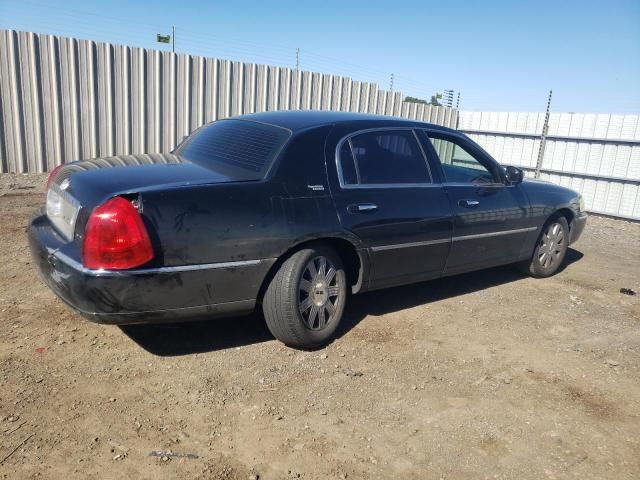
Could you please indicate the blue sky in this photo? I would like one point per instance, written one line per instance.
(502, 55)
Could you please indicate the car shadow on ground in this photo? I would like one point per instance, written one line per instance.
(206, 336)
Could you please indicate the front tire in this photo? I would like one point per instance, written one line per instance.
(550, 250)
(305, 300)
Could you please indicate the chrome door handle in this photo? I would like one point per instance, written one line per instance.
(362, 208)
(466, 203)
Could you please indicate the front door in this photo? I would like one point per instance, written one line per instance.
(385, 195)
(491, 219)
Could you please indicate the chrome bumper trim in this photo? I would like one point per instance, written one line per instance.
(147, 271)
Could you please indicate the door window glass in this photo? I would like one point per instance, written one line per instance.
(348, 165)
(384, 158)
(458, 164)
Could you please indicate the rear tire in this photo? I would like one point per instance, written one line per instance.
(305, 300)
(551, 249)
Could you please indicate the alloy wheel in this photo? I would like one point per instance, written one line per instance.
(319, 293)
(551, 245)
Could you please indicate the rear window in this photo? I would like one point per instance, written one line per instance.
(241, 149)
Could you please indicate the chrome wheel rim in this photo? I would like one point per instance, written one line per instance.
(319, 293)
(551, 245)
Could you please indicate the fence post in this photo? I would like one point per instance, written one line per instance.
(543, 137)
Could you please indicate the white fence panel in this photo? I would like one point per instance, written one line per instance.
(595, 154)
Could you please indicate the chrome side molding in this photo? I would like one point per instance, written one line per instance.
(493, 234)
(411, 244)
(453, 239)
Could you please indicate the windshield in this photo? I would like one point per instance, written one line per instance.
(240, 149)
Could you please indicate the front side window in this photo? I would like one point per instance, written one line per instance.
(458, 164)
(383, 158)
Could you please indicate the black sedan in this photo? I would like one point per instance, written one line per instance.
(290, 212)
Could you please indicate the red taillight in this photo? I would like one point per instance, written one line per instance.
(115, 237)
(52, 174)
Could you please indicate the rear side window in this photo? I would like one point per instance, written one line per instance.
(383, 158)
(347, 164)
(241, 149)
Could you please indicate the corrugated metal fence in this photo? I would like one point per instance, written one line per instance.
(595, 154)
(63, 99)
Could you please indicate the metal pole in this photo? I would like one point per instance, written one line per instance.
(458, 101)
(391, 83)
(543, 137)
(297, 59)
(173, 38)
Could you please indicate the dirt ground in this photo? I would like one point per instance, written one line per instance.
(480, 376)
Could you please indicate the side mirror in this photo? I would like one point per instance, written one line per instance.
(514, 175)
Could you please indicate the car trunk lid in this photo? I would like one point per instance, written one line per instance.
(75, 189)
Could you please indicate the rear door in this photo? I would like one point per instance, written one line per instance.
(491, 219)
(384, 193)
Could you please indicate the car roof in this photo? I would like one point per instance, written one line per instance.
(296, 120)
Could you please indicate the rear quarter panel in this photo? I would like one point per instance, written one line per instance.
(246, 220)
(214, 223)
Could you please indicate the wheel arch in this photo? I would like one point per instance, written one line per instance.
(566, 213)
(353, 259)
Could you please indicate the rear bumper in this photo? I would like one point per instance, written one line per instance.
(166, 294)
(577, 227)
